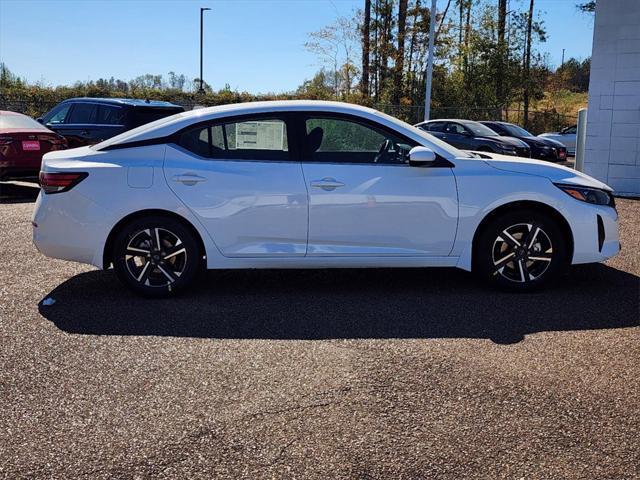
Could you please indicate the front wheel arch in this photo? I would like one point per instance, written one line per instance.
(525, 205)
(107, 255)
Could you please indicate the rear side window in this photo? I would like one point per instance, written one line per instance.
(144, 115)
(83, 113)
(110, 115)
(434, 126)
(196, 141)
(259, 139)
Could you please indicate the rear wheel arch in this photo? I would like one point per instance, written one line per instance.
(107, 255)
(554, 214)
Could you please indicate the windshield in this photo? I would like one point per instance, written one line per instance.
(516, 131)
(19, 121)
(480, 129)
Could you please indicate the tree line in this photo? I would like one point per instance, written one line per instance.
(487, 58)
(488, 64)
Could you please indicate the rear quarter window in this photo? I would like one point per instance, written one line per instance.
(144, 115)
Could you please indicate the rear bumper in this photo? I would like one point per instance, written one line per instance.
(77, 234)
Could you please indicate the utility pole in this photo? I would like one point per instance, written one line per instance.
(201, 90)
(432, 32)
(562, 58)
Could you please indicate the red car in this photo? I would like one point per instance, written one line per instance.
(23, 142)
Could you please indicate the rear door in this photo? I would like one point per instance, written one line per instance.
(110, 121)
(243, 181)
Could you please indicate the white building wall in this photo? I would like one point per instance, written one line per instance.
(613, 121)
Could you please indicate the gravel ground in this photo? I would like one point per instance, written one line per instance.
(316, 374)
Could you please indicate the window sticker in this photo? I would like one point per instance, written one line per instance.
(263, 135)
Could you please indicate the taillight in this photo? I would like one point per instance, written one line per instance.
(57, 182)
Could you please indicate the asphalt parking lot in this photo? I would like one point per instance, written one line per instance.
(369, 374)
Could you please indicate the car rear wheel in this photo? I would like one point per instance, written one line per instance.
(521, 251)
(156, 256)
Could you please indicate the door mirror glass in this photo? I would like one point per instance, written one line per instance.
(421, 156)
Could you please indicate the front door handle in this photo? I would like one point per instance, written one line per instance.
(328, 184)
(189, 179)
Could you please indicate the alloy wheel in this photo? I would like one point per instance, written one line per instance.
(155, 257)
(522, 253)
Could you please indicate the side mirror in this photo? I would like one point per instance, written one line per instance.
(421, 157)
(39, 120)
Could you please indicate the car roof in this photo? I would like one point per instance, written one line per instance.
(170, 125)
(134, 102)
(496, 121)
(8, 112)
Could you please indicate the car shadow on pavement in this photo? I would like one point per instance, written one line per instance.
(336, 304)
(21, 192)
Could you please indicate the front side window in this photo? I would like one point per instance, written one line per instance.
(83, 113)
(251, 139)
(57, 115)
(338, 140)
(455, 128)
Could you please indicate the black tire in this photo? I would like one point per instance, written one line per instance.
(154, 270)
(522, 238)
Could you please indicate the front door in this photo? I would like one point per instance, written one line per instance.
(364, 197)
(240, 179)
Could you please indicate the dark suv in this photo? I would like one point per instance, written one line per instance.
(85, 121)
(470, 135)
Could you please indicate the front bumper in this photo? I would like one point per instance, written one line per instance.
(596, 236)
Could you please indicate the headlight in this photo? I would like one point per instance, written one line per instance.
(507, 147)
(589, 195)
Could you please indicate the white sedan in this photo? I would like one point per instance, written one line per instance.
(566, 136)
(309, 184)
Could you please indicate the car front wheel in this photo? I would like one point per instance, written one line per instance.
(156, 256)
(521, 251)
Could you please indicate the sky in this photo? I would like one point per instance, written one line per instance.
(252, 45)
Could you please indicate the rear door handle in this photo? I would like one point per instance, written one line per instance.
(189, 179)
(327, 184)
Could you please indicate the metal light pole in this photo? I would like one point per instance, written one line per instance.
(432, 32)
(201, 37)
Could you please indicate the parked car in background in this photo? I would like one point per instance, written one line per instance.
(23, 141)
(566, 136)
(541, 148)
(469, 135)
(85, 121)
(310, 184)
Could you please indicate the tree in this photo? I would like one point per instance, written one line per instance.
(335, 47)
(366, 41)
(502, 51)
(587, 7)
(527, 66)
(399, 57)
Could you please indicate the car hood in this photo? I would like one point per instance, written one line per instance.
(500, 139)
(542, 141)
(555, 173)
